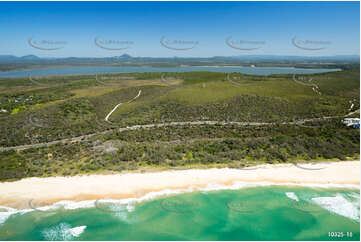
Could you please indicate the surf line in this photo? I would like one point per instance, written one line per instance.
(116, 106)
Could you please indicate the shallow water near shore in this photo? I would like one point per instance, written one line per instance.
(252, 213)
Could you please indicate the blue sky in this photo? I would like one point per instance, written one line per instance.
(209, 24)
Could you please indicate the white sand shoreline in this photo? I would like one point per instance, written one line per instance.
(135, 185)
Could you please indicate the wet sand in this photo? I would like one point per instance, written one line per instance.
(118, 186)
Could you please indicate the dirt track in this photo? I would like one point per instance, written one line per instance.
(148, 126)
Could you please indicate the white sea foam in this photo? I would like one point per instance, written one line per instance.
(338, 205)
(8, 209)
(62, 231)
(292, 195)
(235, 186)
(71, 205)
(76, 231)
(356, 200)
(118, 208)
(129, 202)
(122, 212)
(5, 213)
(130, 207)
(355, 195)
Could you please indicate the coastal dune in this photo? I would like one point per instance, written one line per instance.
(134, 185)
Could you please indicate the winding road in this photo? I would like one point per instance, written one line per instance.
(315, 88)
(33, 81)
(164, 80)
(116, 106)
(233, 82)
(149, 126)
(100, 82)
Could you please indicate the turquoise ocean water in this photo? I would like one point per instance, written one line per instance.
(252, 213)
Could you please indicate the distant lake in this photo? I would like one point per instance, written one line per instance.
(131, 69)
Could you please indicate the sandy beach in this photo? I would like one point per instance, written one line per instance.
(117, 186)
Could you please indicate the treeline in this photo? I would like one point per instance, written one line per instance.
(204, 145)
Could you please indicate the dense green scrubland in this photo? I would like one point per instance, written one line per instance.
(54, 108)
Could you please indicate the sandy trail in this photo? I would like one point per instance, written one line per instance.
(315, 88)
(116, 106)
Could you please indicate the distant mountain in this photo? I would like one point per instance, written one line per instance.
(125, 56)
(30, 57)
(33, 59)
(8, 58)
(298, 58)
